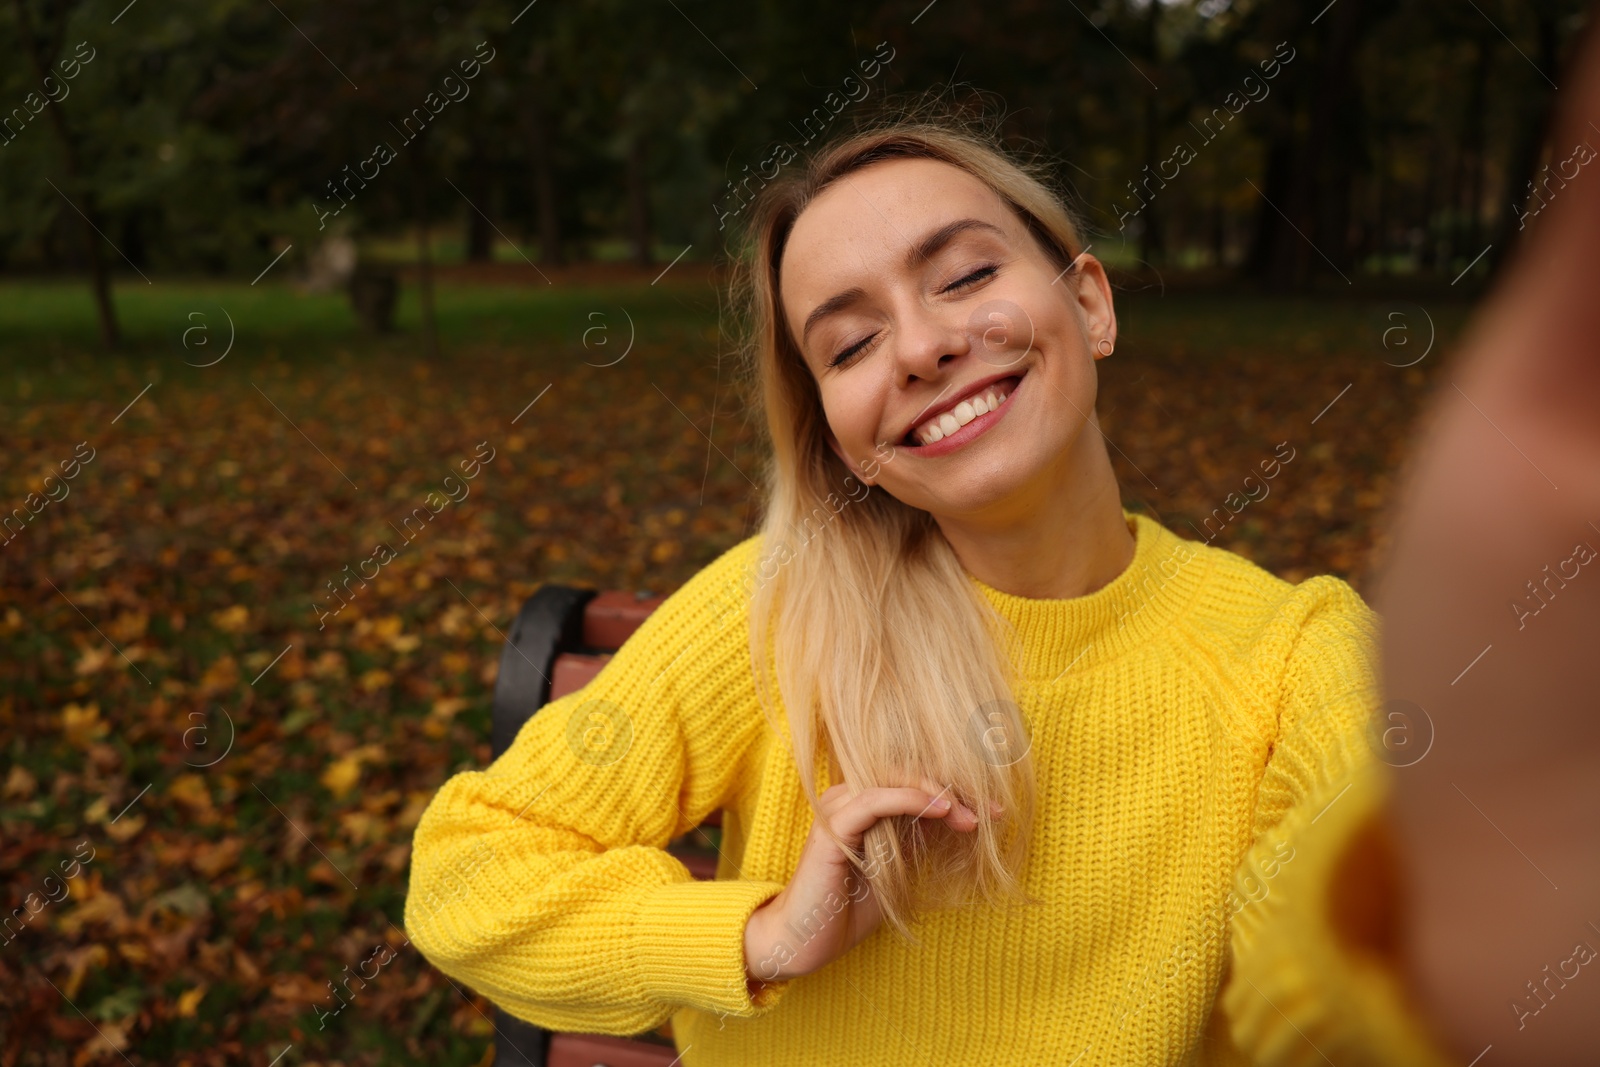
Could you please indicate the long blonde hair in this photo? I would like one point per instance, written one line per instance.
(875, 630)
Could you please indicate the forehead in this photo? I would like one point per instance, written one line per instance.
(862, 225)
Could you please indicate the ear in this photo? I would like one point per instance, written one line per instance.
(1094, 301)
(833, 443)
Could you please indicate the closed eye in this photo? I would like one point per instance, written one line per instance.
(971, 279)
(852, 350)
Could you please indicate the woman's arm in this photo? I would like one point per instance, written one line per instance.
(1315, 970)
(1439, 910)
(1493, 625)
(542, 881)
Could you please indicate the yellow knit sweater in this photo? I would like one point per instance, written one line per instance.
(1199, 728)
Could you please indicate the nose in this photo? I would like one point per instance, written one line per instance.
(927, 340)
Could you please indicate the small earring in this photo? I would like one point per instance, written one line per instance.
(1105, 346)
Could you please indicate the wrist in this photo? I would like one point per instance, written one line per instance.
(761, 962)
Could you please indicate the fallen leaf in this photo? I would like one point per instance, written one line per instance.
(79, 962)
(375, 679)
(109, 1038)
(342, 775)
(299, 987)
(231, 620)
(246, 968)
(189, 1000)
(212, 859)
(125, 828)
(105, 908)
(19, 783)
(221, 676)
(94, 658)
(191, 791)
(129, 626)
(133, 951)
(360, 827)
(447, 707)
(82, 724)
(411, 814)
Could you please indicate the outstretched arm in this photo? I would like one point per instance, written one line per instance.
(1491, 602)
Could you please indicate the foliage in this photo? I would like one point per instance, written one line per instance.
(209, 127)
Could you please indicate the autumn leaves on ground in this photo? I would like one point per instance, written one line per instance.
(213, 762)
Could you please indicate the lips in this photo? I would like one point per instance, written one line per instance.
(955, 411)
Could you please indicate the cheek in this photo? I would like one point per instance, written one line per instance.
(851, 424)
(1052, 317)
(854, 412)
(1062, 349)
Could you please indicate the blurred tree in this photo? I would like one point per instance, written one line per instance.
(42, 37)
(209, 134)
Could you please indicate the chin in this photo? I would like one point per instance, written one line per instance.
(982, 489)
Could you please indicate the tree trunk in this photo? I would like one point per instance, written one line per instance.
(1274, 121)
(1380, 226)
(1477, 137)
(1219, 236)
(1265, 255)
(1527, 146)
(540, 142)
(1431, 259)
(639, 202)
(1454, 195)
(1152, 243)
(479, 235)
(99, 275)
(1151, 237)
(1329, 141)
(544, 185)
(430, 326)
(1289, 260)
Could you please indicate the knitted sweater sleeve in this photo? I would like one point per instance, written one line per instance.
(543, 881)
(1316, 973)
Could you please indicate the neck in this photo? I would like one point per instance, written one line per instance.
(1066, 539)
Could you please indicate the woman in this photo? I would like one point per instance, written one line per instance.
(1010, 774)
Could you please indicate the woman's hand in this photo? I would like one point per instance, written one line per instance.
(828, 908)
(1491, 604)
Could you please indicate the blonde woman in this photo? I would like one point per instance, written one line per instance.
(1010, 774)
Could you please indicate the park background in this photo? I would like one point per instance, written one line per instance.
(193, 295)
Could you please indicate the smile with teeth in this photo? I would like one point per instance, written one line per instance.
(943, 425)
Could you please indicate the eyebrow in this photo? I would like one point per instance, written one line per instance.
(919, 253)
(933, 242)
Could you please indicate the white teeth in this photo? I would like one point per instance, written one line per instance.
(942, 426)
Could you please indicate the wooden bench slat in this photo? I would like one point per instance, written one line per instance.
(574, 670)
(702, 865)
(612, 616)
(601, 1050)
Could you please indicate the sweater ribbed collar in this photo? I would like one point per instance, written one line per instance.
(1077, 633)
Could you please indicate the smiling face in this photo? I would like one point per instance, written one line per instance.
(918, 298)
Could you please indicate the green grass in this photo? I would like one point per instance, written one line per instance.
(49, 341)
(1198, 324)
(49, 338)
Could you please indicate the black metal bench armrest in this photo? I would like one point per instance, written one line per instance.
(550, 622)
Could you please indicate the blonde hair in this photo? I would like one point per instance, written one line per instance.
(875, 630)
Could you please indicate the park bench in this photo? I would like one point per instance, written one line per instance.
(560, 640)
